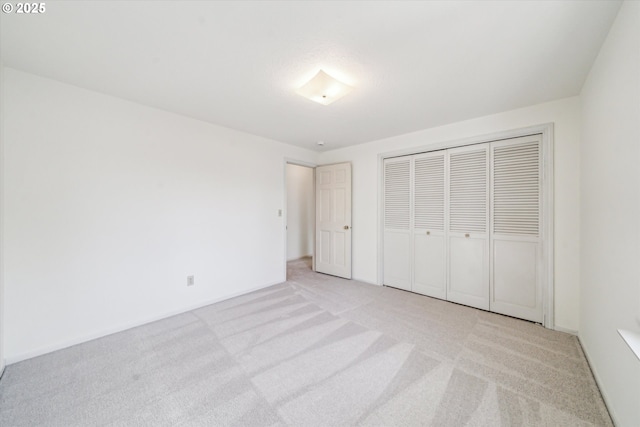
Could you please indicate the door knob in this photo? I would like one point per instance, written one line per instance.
(428, 232)
(346, 227)
(466, 235)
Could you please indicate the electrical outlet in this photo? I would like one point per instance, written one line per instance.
(191, 280)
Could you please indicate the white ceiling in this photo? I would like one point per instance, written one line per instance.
(414, 65)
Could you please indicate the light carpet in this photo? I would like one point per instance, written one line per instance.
(313, 351)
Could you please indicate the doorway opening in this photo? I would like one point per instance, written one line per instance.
(300, 215)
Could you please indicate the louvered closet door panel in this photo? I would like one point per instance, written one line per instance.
(516, 288)
(429, 224)
(397, 223)
(468, 226)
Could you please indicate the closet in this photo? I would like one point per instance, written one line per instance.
(463, 225)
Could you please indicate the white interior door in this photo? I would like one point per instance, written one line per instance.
(397, 222)
(516, 288)
(429, 243)
(468, 226)
(333, 220)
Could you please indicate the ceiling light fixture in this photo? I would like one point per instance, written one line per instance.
(324, 89)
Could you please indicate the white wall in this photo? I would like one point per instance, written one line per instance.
(610, 207)
(109, 205)
(2, 304)
(300, 211)
(564, 113)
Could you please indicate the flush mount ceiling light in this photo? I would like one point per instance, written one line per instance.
(324, 89)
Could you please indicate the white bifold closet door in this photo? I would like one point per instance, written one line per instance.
(397, 222)
(516, 288)
(428, 233)
(468, 226)
(463, 224)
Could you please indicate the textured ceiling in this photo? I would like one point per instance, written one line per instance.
(413, 65)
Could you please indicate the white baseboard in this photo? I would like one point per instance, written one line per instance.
(596, 376)
(565, 330)
(109, 331)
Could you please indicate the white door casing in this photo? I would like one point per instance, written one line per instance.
(333, 220)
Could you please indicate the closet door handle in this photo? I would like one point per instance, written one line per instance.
(346, 227)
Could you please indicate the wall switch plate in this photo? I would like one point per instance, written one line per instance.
(191, 280)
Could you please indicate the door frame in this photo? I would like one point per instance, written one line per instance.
(296, 162)
(547, 208)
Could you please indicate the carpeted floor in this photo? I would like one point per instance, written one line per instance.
(317, 351)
